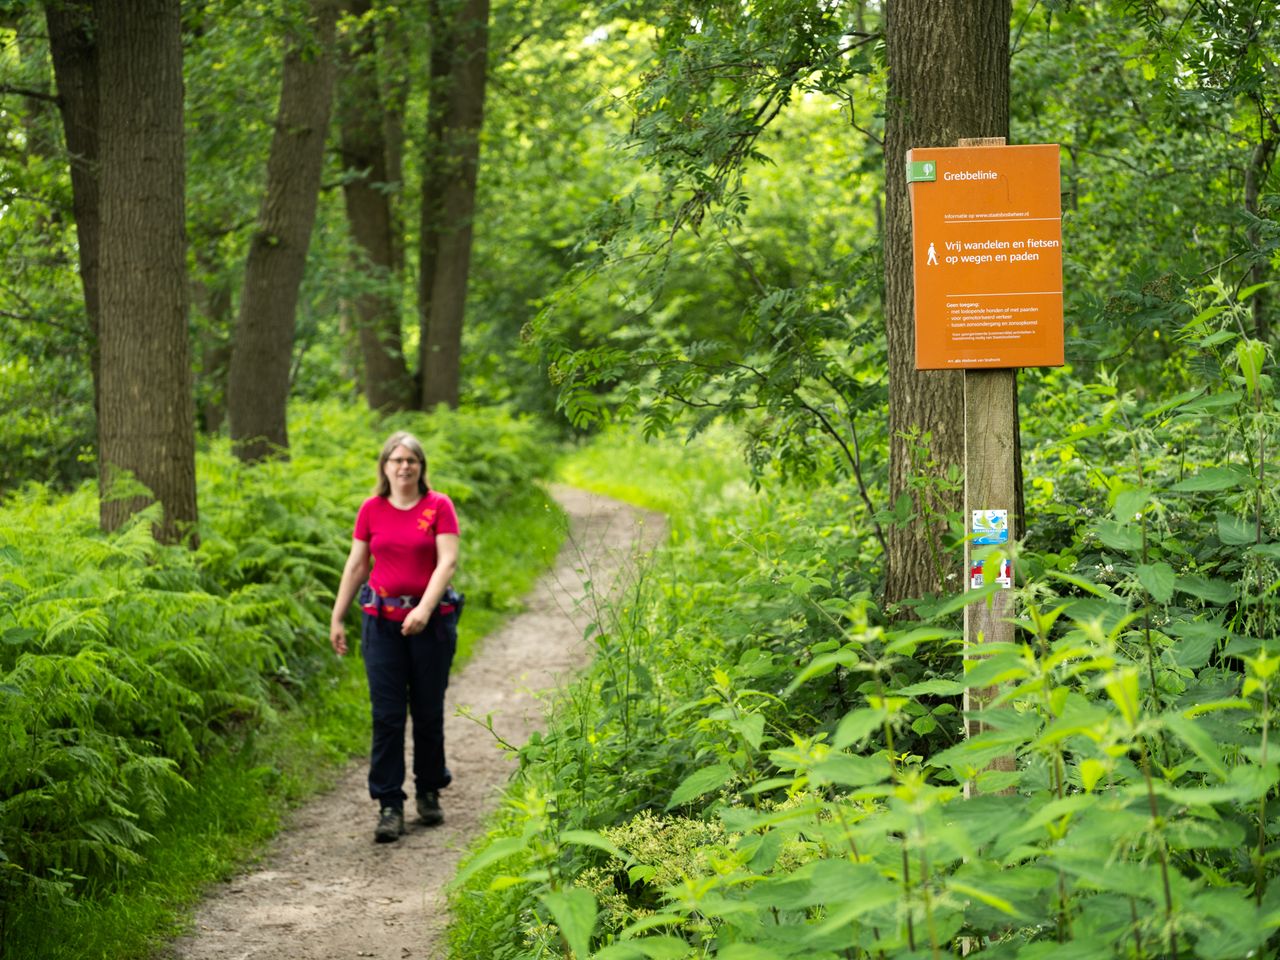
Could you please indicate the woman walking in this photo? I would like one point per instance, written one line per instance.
(403, 555)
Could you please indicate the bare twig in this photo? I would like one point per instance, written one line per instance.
(30, 94)
(34, 318)
(746, 264)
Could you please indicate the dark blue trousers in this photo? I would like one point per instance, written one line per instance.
(407, 675)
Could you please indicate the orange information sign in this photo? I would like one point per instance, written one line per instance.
(986, 233)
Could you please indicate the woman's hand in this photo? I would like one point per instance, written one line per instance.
(415, 622)
(446, 564)
(354, 572)
(338, 637)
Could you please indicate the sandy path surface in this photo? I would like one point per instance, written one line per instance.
(325, 890)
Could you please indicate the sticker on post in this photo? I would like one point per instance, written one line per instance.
(1005, 579)
(990, 526)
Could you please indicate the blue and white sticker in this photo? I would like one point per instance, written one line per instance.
(990, 526)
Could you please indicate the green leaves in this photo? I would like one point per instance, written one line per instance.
(1118, 535)
(700, 782)
(1211, 590)
(848, 770)
(1250, 355)
(1158, 580)
(1124, 720)
(494, 852)
(1233, 531)
(1213, 480)
(809, 845)
(1198, 740)
(574, 911)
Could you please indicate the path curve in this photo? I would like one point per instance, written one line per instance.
(326, 891)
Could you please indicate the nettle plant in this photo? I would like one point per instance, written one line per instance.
(1136, 824)
(1137, 699)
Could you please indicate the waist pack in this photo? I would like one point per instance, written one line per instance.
(369, 598)
(454, 599)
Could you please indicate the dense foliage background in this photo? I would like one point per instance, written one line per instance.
(679, 221)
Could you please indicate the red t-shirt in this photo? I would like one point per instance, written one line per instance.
(402, 544)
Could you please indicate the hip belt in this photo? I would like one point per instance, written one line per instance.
(451, 600)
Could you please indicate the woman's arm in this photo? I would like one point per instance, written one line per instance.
(354, 573)
(446, 565)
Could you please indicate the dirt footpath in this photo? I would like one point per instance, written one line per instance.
(325, 890)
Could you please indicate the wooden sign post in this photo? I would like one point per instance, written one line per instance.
(987, 241)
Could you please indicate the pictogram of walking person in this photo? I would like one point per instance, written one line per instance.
(933, 256)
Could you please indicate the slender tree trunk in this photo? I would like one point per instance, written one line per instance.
(74, 50)
(434, 169)
(146, 423)
(38, 122)
(395, 94)
(443, 291)
(367, 192)
(1254, 176)
(258, 383)
(948, 79)
(352, 360)
(213, 298)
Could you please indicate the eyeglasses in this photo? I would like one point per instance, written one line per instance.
(402, 461)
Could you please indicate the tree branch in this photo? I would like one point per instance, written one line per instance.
(746, 264)
(9, 89)
(706, 404)
(32, 318)
(855, 462)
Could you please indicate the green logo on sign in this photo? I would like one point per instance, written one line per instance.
(922, 170)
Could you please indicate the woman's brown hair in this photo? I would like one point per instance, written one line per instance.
(414, 446)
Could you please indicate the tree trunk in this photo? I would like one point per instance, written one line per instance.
(1255, 175)
(352, 361)
(453, 161)
(434, 170)
(74, 51)
(146, 423)
(213, 298)
(395, 55)
(258, 383)
(948, 79)
(367, 192)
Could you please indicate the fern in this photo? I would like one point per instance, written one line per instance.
(125, 663)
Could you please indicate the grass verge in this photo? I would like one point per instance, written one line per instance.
(503, 558)
(661, 474)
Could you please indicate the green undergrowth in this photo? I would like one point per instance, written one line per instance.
(760, 765)
(235, 803)
(506, 550)
(161, 708)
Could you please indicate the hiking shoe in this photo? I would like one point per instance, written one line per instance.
(429, 811)
(390, 825)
